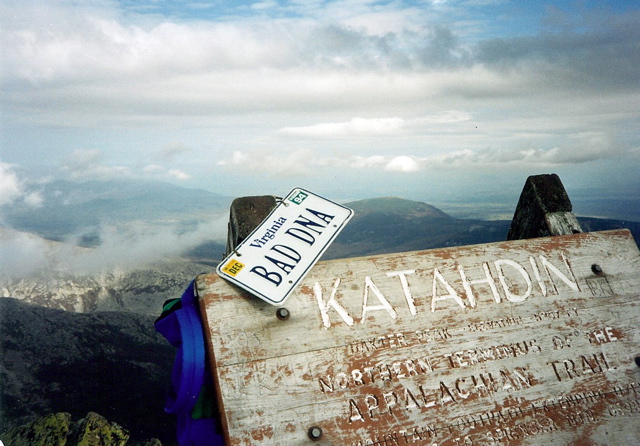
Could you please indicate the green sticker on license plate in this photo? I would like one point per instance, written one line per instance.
(299, 197)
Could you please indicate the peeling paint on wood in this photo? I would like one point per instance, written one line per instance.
(516, 343)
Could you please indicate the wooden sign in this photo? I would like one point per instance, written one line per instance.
(517, 343)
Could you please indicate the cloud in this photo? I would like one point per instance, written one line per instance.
(358, 57)
(354, 127)
(274, 163)
(87, 164)
(138, 244)
(308, 86)
(122, 247)
(22, 254)
(402, 164)
(173, 150)
(34, 199)
(179, 174)
(445, 117)
(602, 56)
(10, 187)
(82, 160)
(161, 172)
(362, 162)
(579, 148)
(14, 189)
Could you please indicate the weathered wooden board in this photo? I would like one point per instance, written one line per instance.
(517, 343)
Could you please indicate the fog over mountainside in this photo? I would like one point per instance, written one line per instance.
(87, 213)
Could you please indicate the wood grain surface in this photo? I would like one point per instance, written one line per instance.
(527, 342)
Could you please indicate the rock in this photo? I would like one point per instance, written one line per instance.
(95, 430)
(57, 430)
(152, 442)
(51, 430)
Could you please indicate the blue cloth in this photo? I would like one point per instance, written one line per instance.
(190, 379)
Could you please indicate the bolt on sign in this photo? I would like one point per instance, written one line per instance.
(524, 342)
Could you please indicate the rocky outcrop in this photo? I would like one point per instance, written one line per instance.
(58, 430)
(51, 430)
(95, 430)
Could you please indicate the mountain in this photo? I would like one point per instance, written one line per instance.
(55, 275)
(592, 224)
(112, 362)
(65, 208)
(383, 225)
(139, 290)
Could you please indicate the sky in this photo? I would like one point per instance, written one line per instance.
(442, 101)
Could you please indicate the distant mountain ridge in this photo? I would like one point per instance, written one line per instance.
(384, 225)
(66, 208)
(396, 205)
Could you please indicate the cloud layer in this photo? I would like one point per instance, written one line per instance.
(216, 94)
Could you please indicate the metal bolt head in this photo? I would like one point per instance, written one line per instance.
(282, 314)
(315, 433)
(597, 269)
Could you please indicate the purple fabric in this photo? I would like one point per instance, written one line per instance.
(183, 329)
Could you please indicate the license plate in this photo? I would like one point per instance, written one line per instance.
(277, 255)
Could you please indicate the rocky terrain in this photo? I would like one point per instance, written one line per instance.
(59, 429)
(114, 363)
(141, 290)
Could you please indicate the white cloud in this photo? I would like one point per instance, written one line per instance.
(308, 86)
(578, 148)
(34, 199)
(237, 158)
(161, 172)
(22, 254)
(134, 245)
(354, 127)
(264, 5)
(83, 159)
(446, 117)
(87, 164)
(274, 163)
(179, 174)
(362, 162)
(10, 187)
(402, 164)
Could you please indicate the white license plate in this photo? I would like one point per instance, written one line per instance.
(277, 255)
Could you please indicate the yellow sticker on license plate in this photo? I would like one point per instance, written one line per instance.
(233, 267)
